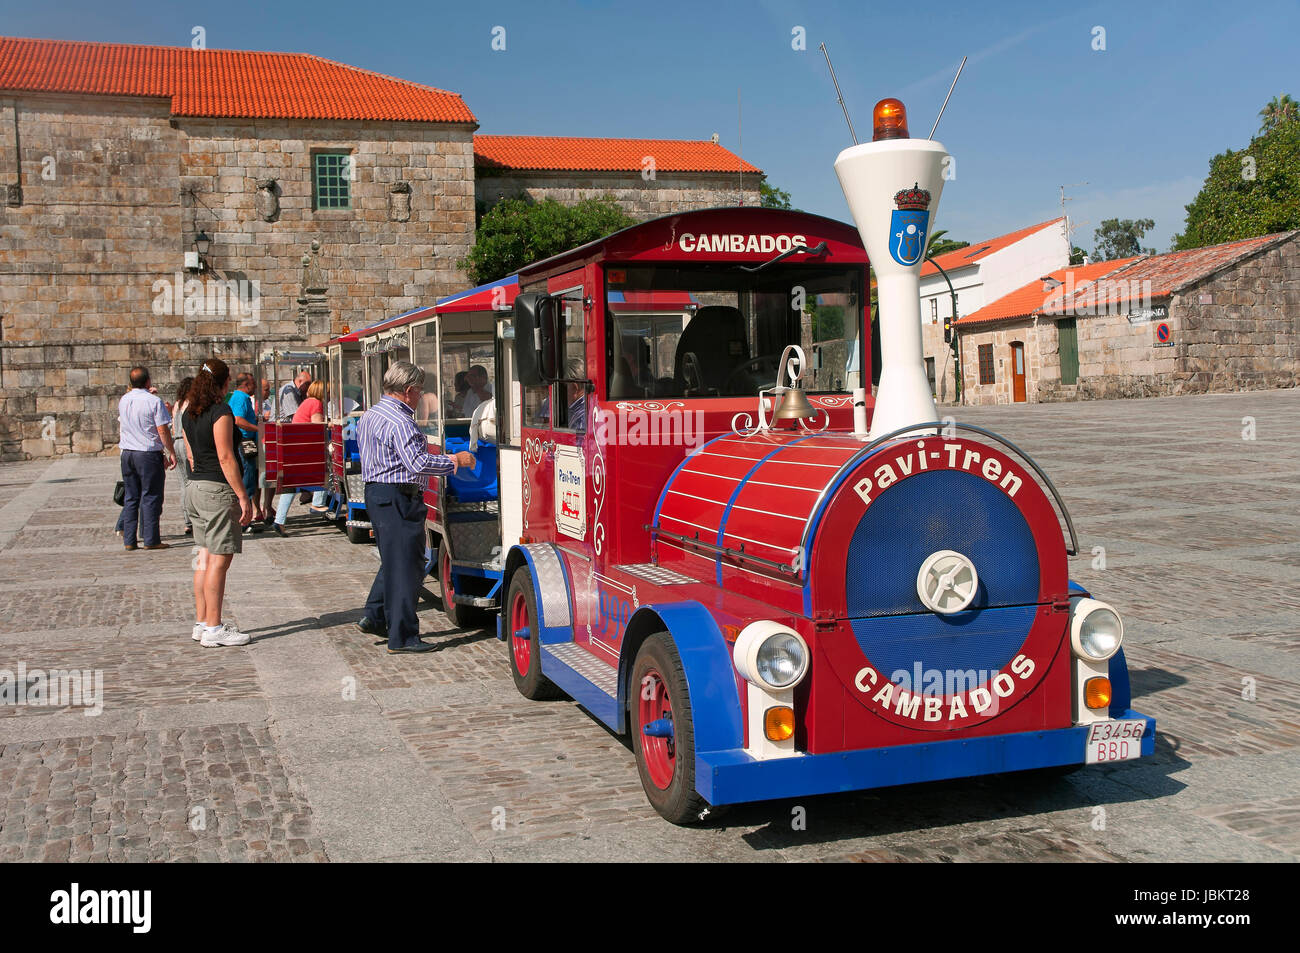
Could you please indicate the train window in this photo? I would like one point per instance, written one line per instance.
(718, 331)
(335, 383)
(468, 372)
(424, 348)
(571, 402)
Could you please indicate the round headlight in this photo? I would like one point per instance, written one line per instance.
(770, 655)
(1096, 631)
(781, 659)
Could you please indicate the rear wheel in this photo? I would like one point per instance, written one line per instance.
(522, 640)
(357, 534)
(461, 616)
(663, 732)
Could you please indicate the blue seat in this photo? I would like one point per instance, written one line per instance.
(477, 484)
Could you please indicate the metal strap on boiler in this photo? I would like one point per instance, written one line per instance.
(939, 427)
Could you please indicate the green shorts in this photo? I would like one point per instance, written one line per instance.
(213, 510)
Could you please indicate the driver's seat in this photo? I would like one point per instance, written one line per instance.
(716, 336)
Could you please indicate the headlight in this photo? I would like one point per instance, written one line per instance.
(771, 655)
(1096, 631)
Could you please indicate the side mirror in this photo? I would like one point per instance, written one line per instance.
(535, 339)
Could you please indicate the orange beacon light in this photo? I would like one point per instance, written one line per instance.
(889, 121)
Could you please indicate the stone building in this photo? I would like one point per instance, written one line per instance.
(1215, 319)
(329, 197)
(648, 177)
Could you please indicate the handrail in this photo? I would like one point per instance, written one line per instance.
(940, 426)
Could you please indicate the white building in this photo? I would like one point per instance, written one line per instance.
(982, 273)
(985, 271)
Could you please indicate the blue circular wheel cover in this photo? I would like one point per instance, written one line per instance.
(908, 522)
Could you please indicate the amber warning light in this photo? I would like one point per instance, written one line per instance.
(889, 121)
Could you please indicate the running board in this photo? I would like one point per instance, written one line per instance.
(591, 682)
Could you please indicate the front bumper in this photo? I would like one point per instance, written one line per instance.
(732, 776)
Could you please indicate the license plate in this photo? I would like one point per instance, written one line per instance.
(1114, 741)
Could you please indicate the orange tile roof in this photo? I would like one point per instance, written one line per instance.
(1103, 287)
(1040, 297)
(224, 83)
(1174, 271)
(604, 155)
(962, 257)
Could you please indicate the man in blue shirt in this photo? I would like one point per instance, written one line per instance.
(145, 442)
(396, 466)
(241, 405)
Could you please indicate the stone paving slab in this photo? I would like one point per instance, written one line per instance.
(313, 744)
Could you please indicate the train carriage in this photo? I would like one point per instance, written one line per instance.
(292, 456)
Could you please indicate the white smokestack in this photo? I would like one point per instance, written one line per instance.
(892, 188)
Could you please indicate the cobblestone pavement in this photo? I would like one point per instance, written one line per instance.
(313, 744)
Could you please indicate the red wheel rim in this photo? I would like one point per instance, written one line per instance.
(448, 592)
(520, 645)
(660, 754)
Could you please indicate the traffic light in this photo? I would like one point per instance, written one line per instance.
(947, 329)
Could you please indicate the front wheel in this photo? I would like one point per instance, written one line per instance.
(663, 733)
(522, 640)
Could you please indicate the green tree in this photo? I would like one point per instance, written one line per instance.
(937, 244)
(517, 232)
(1077, 255)
(1121, 239)
(1249, 192)
(772, 197)
(1278, 110)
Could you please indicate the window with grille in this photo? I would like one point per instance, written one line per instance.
(934, 310)
(332, 180)
(986, 363)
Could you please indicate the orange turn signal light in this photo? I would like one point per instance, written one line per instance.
(889, 121)
(778, 723)
(1096, 692)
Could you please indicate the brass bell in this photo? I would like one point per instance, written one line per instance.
(795, 406)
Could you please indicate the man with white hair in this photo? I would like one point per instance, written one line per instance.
(396, 465)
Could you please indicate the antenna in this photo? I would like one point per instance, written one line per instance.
(1069, 229)
(740, 147)
(946, 98)
(838, 95)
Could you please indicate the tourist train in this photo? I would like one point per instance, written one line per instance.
(714, 504)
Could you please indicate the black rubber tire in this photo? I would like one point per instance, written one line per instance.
(532, 684)
(679, 803)
(357, 534)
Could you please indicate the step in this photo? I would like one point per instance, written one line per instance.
(592, 682)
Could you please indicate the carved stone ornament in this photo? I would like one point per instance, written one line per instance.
(399, 202)
(268, 200)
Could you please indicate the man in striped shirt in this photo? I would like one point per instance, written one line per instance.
(396, 465)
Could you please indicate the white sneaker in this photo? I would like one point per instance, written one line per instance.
(198, 631)
(226, 635)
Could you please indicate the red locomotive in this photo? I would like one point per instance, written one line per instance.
(725, 519)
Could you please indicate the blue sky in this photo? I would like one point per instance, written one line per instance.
(1037, 106)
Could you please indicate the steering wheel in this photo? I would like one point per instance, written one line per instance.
(765, 368)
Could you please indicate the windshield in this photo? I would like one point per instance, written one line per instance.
(717, 331)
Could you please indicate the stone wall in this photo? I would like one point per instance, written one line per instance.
(1001, 337)
(1236, 330)
(643, 199)
(113, 192)
(933, 346)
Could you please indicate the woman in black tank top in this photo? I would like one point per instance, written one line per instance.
(216, 494)
(202, 443)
